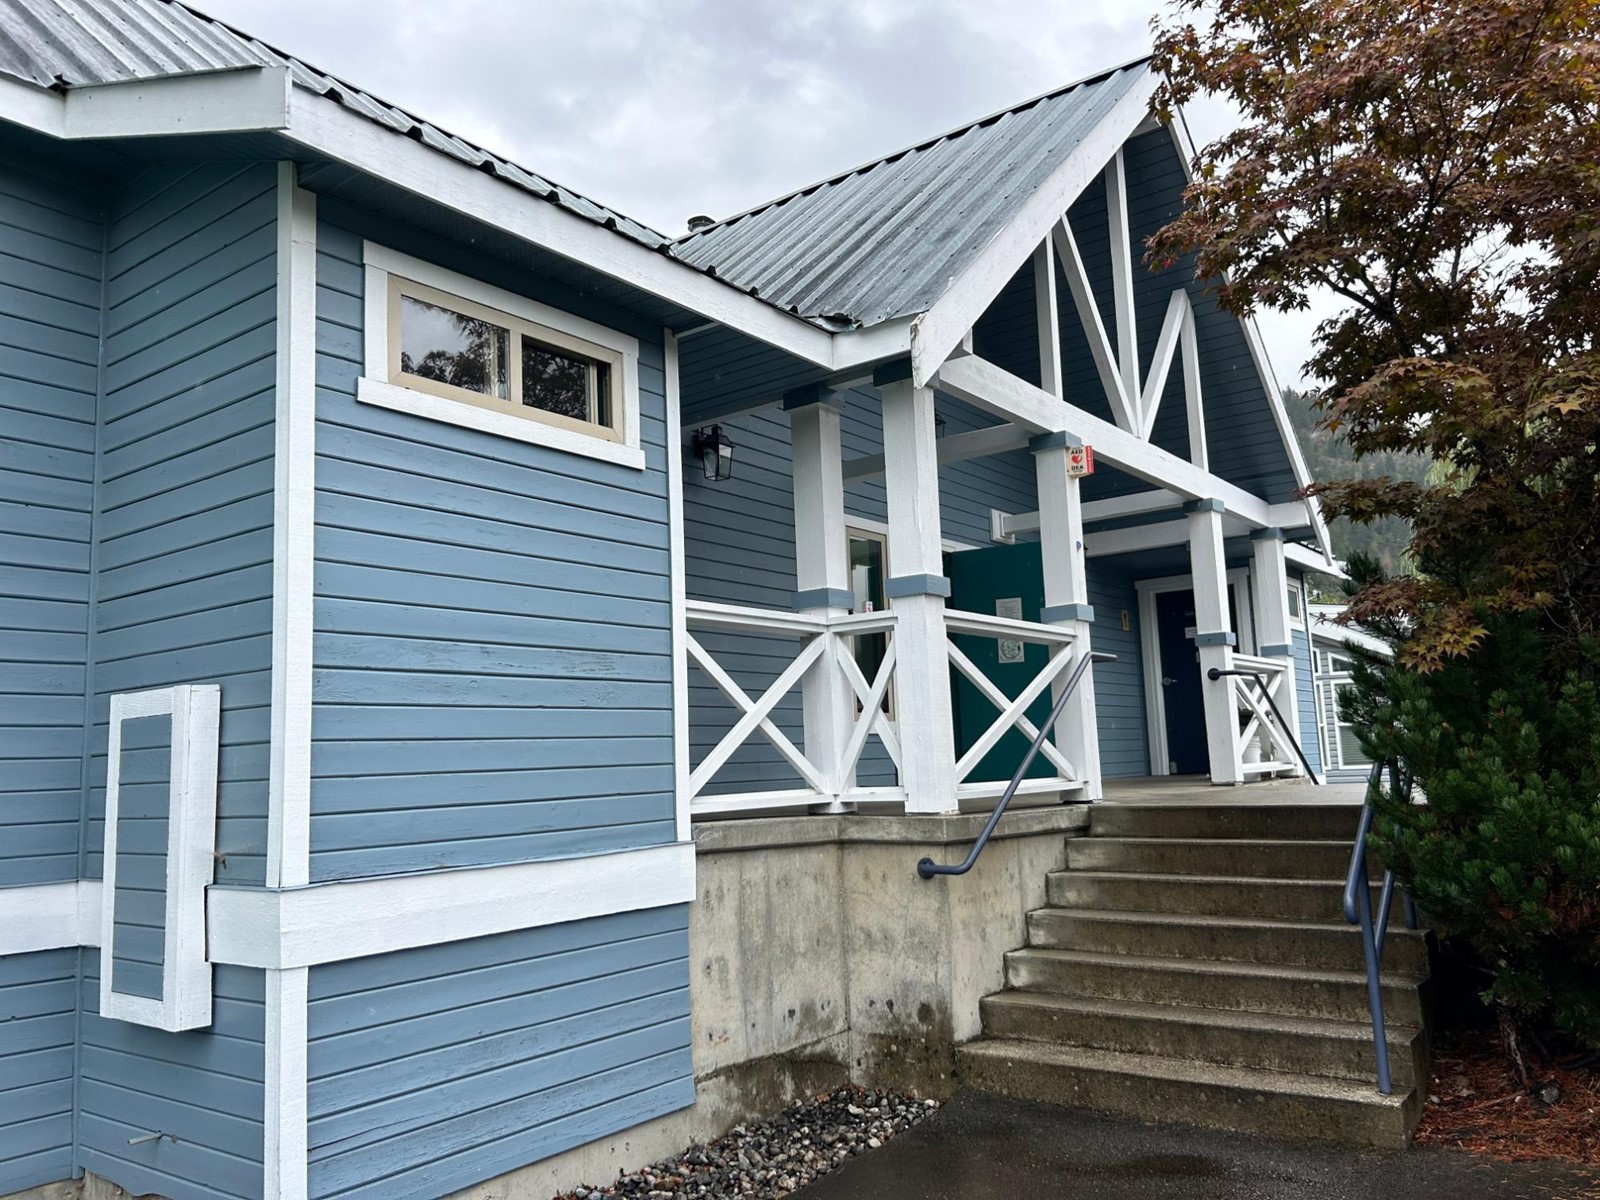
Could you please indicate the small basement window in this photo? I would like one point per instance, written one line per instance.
(451, 348)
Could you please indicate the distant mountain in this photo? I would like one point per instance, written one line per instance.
(1328, 457)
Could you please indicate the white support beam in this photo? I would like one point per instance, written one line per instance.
(822, 580)
(1121, 241)
(916, 558)
(1066, 604)
(957, 447)
(1213, 638)
(1047, 316)
(984, 385)
(1155, 384)
(1193, 398)
(1094, 329)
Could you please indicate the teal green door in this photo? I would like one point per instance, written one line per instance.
(1005, 581)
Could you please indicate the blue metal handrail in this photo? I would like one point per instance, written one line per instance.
(927, 868)
(1358, 911)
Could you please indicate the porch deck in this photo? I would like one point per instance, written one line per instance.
(1169, 789)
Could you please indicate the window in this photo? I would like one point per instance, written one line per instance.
(1297, 612)
(1344, 748)
(869, 569)
(459, 350)
(454, 349)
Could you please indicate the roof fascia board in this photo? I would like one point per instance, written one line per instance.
(939, 330)
(981, 383)
(1184, 141)
(33, 107)
(330, 130)
(244, 99)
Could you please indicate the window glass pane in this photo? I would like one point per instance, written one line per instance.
(450, 347)
(1350, 752)
(1341, 665)
(558, 382)
(1294, 603)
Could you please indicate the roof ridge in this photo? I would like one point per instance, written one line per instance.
(927, 143)
(292, 60)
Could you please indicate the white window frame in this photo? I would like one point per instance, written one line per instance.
(383, 385)
(185, 1001)
(1298, 591)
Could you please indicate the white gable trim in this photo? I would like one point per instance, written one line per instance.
(939, 330)
(234, 100)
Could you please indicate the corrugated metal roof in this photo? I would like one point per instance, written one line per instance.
(78, 43)
(885, 240)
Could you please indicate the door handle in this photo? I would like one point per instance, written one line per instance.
(1167, 681)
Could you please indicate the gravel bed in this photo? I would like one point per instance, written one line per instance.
(776, 1156)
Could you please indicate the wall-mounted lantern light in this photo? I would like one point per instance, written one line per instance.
(715, 452)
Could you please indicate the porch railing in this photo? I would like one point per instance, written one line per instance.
(1265, 743)
(829, 642)
(1012, 713)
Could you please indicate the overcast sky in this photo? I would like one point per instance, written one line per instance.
(667, 108)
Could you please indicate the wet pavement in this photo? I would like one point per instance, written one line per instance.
(985, 1148)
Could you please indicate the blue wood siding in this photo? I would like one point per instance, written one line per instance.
(492, 652)
(434, 1069)
(1118, 686)
(51, 235)
(184, 542)
(144, 805)
(204, 1087)
(38, 1022)
(1305, 696)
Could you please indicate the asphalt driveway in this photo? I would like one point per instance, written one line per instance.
(984, 1148)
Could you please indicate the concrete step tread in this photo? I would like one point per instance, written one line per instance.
(1130, 839)
(1078, 873)
(1177, 1070)
(1178, 1014)
(1205, 966)
(1202, 921)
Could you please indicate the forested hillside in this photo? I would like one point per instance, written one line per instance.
(1328, 457)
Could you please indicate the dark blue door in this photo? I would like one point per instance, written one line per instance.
(1181, 698)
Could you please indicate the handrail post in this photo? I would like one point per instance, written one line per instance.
(926, 867)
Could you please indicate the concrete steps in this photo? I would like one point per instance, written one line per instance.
(1216, 1097)
(1194, 960)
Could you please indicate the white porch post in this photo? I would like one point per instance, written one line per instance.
(917, 588)
(1214, 637)
(1274, 636)
(822, 574)
(1066, 600)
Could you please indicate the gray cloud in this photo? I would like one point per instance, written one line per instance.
(667, 108)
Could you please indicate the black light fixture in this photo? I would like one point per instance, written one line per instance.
(715, 452)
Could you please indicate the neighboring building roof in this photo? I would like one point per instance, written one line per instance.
(80, 43)
(1324, 627)
(885, 240)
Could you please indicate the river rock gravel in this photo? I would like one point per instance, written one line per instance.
(776, 1156)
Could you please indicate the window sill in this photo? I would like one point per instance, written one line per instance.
(521, 429)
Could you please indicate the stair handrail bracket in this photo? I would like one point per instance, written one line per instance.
(817, 641)
(1374, 927)
(926, 867)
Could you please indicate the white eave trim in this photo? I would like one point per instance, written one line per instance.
(235, 100)
(939, 331)
(49, 916)
(331, 922)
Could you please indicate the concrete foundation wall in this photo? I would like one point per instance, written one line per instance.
(819, 957)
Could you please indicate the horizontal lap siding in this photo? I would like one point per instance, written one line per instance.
(1305, 695)
(38, 1021)
(183, 595)
(434, 1069)
(51, 253)
(493, 619)
(1118, 686)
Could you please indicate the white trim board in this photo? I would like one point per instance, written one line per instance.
(331, 922)
(245, 99)
(682, 794)
(49, 916)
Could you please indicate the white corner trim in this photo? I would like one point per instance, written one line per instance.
(293, 537)
(49, 916)
(940, 330)
(453, 412)
(284, 1160)
(376, 388)
(185, 1001)
(330, 922)
(680, 613)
